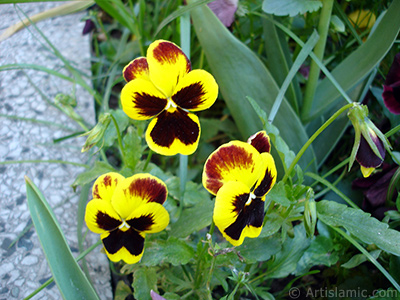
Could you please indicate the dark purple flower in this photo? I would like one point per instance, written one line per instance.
(224, 10)
(391, 88)
(375, 189)
(89, 27)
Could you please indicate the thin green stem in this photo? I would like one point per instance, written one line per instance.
(333, 188)
(319, 50)
(121, 147)
(392, 131)
(80, 256)
(183, 159)
(49, 161)
(47, 123)
(148, 158)
(313, 137)
(369, 256)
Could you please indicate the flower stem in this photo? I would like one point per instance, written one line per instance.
(118, 137)
(313, 137)
(183, 159)
(369, 256)
(319, 50)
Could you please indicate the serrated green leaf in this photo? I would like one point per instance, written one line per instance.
(144, 280)
(240, 74)
(67, 274)
(278, 194)
(259, 249)
(98, 169)
(193, 219)
(290, 7)
(173, 251)
(320, 252)
(285, 261)
(272, 224)
(360, 224)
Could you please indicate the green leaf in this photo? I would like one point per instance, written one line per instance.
(144, 280)
(122, 291)
(272, 225)
(354, 68)
(290, 7)
(133, 148)
(111, 133)
(320, 252)
(240, 74)
(98, 169)
(259, 249)
(67, 274)
(193, 219)
(360, 224)
(173, 251)
(278, 194)
(285, 261)
(358, 259)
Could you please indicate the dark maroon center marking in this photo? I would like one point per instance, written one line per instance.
(148, 105)
(129, 239)
(190, 97)
(106, 222)
(175, 125)
(265, 184)
(252, 214)
(138, 66)
(142, 223)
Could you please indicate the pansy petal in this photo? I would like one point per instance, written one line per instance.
(141, 100)
(236, 214)
(137, 68)
(149, 218)
(234, 161)
(196, 91)
(124, 245)
(174, 132)
(104, 186)
(100, 216)
(268, 178)
(136, 191)
(366, 157)
(393, 75)
(167, 65)
(391, 97)
(260, 141)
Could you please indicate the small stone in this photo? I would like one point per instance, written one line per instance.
(15, 292)
(29, 260)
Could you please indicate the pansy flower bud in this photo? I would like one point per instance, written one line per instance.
(370, 142)
(97, 133)
(391, 88)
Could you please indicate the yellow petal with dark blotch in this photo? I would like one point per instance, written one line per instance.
(127, 246)
(268, 175)
(196, 91)
(167, 65)
(149, 218)
(260, 141)
(141, 100)
(137, 68)
(137, 190)
(104, 186)
(100, 216)
(234, 161)
(174, 132)
(237, 213)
